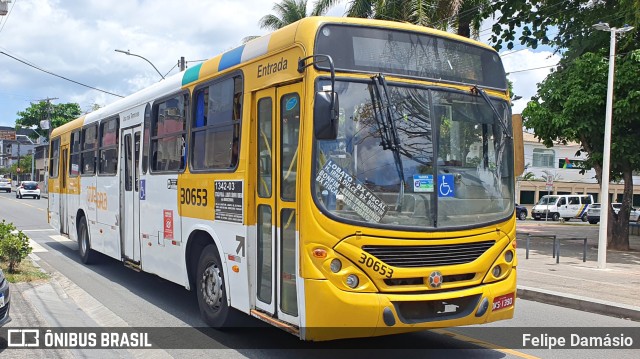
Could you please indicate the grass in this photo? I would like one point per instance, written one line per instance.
(26, 271)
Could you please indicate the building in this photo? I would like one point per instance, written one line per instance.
(561, 164)
(17, 144)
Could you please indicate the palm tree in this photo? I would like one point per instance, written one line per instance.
(287, 12)
(462, 15)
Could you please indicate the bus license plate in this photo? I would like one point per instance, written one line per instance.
(503, 301)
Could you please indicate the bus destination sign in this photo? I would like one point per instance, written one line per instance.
(228, 201)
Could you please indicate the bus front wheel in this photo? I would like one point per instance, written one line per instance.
(87, 255)
(211, 291)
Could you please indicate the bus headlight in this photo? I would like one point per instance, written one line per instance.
(335, 265)
(496, 271)
(508, 256)
(352, 281)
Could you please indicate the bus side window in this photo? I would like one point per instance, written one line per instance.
(145, 139)
(168, 130)
(215, 128)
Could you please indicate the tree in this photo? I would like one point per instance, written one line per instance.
(463, 16)
(570, 106)
(36, 112)
(562, 24)
(287, 12)
(24, 165)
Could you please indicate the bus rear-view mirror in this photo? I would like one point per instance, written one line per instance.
(325, 115)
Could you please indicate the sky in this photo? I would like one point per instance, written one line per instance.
(76, 39)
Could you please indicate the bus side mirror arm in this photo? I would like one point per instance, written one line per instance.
(326, 103)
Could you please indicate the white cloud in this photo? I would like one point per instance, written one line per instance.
(77, 38)
(525, 82)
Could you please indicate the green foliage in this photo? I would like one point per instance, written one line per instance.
(462, 15)
(287, 12)
(14, 246)
(24, 164)
(562, 24)
(58, 113)
(571, 106)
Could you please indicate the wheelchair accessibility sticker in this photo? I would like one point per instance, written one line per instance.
(446, 186)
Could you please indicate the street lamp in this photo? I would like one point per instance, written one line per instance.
(130, 54)
(606, 154)
(40, 137)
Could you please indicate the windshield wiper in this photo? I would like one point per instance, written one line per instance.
(388, 130)
(478, 91)
(501, 143)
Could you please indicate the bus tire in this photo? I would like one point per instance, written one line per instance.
(87, 255)
(211, 291)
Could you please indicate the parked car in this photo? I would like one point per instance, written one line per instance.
(28, 189)
(562, 206)
(521, 212)
(4, 300)
(593, 214)
(5, 184)
(634, 216)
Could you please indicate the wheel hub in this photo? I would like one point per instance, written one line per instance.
(212, 286)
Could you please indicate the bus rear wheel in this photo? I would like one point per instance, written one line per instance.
(211, 290)
(87, 255)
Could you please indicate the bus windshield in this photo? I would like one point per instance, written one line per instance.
(452, 166)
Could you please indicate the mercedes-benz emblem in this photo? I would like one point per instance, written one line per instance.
(435, 279)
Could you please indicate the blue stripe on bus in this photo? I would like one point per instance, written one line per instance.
(191, 74)
(231, 58)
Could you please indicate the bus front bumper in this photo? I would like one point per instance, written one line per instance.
(332, 313)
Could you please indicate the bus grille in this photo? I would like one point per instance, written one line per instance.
(429, 256)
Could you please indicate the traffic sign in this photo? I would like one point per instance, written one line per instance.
(18, 170)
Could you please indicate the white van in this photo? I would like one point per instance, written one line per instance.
(565, 206)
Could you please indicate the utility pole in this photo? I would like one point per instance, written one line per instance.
(183, 64)
(18, 165)
(47, 121)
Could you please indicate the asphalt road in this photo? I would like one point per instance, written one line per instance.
(108, 294)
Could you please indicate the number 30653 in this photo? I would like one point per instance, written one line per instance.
(375, 265)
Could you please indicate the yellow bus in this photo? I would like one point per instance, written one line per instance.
(336, 173)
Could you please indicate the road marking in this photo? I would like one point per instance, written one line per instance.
(36, 248)
(61, 238)
(37, 230)
(26, 204)
(483, 344)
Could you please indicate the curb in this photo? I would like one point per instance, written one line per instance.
(579, 303)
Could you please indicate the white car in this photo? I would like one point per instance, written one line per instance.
(634, 216)
(28, 189)
(593, 214)
(5, 184)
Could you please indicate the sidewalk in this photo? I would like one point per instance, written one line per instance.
(572, 283)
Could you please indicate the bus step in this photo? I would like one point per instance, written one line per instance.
(132, 265)
(275, 322)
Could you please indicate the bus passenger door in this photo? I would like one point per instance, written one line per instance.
(64, 195)
(278, 123)
(130, 198)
